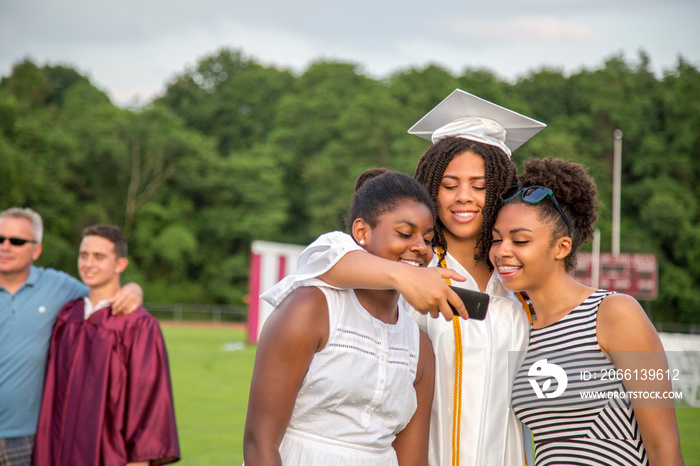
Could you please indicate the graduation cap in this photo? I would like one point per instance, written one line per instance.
(462, 114)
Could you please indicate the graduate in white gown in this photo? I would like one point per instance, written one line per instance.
(466, 171)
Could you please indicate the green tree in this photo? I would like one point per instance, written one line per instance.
(235, 151)
(230, 97)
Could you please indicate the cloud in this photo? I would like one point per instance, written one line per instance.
(171, 54)
(523, 29)
(132, 48)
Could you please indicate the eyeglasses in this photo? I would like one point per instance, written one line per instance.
(16, 241)
(535, 195)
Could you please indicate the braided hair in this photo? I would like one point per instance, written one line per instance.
(500, 173)
(574, 190)
(379, 191)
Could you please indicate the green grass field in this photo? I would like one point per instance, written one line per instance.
(210, 387)
(211, 395)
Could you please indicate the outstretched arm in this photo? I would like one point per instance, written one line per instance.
(340, 262)
(291, 336)
(627, 335)
(423, 287)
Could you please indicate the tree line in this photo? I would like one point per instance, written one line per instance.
(235, 151)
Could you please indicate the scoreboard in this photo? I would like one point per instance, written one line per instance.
(635, 274)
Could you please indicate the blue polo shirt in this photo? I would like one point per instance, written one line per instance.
(26, 325)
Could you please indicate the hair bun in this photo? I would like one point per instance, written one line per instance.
(368, 175)
(572, 186)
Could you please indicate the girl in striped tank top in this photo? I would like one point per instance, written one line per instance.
(581, 386)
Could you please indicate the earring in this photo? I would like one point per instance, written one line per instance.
(362, 242)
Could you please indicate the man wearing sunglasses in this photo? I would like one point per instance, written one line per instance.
(30, 298)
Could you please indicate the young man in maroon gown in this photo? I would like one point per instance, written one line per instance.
(107, 397)
(30, 299)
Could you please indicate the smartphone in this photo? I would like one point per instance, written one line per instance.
(476, 302)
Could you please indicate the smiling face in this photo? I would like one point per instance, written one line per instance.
(523, 251)
(461, 197)
(17, 260)
(98, 264)
(405, 234)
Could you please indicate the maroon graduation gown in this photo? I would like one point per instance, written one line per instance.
(107, 397)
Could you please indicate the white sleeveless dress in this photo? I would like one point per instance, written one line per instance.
(358, 392)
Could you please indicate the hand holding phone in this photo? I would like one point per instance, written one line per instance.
(476, 302)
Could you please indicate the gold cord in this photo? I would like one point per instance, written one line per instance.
(527, 307)
(457, 403)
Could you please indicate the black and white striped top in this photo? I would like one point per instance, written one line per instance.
(566, 393)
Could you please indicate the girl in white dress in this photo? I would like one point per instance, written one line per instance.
(466, 172)
(345, 377)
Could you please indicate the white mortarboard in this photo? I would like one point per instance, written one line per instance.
(465, 115)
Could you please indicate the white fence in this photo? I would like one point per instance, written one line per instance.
(683, 353)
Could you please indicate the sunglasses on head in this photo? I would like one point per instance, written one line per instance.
(535, 195)
(16, 241)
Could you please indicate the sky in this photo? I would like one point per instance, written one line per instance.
(132, 49)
